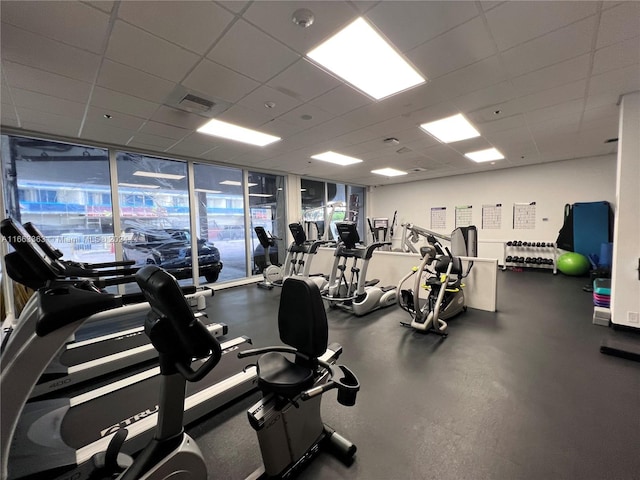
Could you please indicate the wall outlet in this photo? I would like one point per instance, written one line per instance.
(633, 317)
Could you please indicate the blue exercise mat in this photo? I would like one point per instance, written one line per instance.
(590, 227)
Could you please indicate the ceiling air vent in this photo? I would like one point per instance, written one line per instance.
(403, 150)
(418, 169)
(193, 102)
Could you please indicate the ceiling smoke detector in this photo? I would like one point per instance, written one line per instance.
(303, 18)
(391, 141)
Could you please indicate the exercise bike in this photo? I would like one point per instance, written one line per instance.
(351, 291)
(272, 274)
(440, 274)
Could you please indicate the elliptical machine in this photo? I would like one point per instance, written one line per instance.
(353, 292)
(300, 254)
(272, 274)
(440, 274)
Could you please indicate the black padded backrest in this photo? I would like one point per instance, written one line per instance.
(42, 242)
(163, 293)
(302, 320)
(443, 263)
(297, 230)
(263, 238)
(348, 233)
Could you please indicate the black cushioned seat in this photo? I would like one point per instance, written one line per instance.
(281, 376)
(302, 323)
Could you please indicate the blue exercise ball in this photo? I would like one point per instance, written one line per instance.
(574, 264)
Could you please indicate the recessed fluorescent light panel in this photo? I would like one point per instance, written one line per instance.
(221, 129)
(389, 172)
(138, 185)
(168, 176)
(487, 155)
(359, 55)
(451, 129)
(336, 158)
(265, 195)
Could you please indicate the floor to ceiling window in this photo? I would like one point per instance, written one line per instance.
(267, 205)
(64, 190)
(220, 215)
(155, 217)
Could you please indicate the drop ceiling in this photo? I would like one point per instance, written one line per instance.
(539, 80)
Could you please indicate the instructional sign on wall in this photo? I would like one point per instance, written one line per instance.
(464, 216)
(524, 216)
(492, 216)
(438, 218)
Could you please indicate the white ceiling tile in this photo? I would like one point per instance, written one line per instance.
(178, 118)
(188, 149)
(555, 127)
(245, 117)
(134, 47)
(549, 97)
(408, 24)
(50, 120)
(99, 131)
(220, 82)
(8, 116)
(497, 124)
(601, 100)
(454, 49)
(571, 111)
(488, 5)
(47, 103)
(131, 81)
(619, 23)
(192, 25)
(234, 5)
(121, 102)
(36, 51)
(118, 119)
(251, 52)
(340, 100)
(146, 140)
(605, 119)
(70, 22)
(65, 128)
(563, 44)
(616, 82)
(513, 23)
(474, 77)
(553, 76)
(294, 116)
(274, 18)
(603, 111)
(280, 129)
(163, 130)
(303, 81)
(48, 83)
(104, 5)
(618, 55)
(256, 101)
(485, 97)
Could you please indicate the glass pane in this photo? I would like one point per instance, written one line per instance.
(355, 207)
(154, 211)
(336, 207)
(267, 206)
(313, 211)
(63, 189)
(220, 215)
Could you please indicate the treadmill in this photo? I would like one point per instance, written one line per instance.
(80, 361)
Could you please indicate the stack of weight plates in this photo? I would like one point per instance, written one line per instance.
(602, 292)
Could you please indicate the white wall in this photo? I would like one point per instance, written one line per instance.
(625, 291)
(550, 185)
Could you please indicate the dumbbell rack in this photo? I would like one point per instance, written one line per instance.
(531, 253)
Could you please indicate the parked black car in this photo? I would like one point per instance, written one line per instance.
(170, 249)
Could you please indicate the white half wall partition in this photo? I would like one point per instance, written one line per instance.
(481, 290)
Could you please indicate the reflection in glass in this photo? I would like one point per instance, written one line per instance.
(155, 220)
(267, 207)
(64, 190)
(220, 215)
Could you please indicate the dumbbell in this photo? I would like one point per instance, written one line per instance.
(519, 244)
(509, 243)
(508, 259)
(537, 244)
